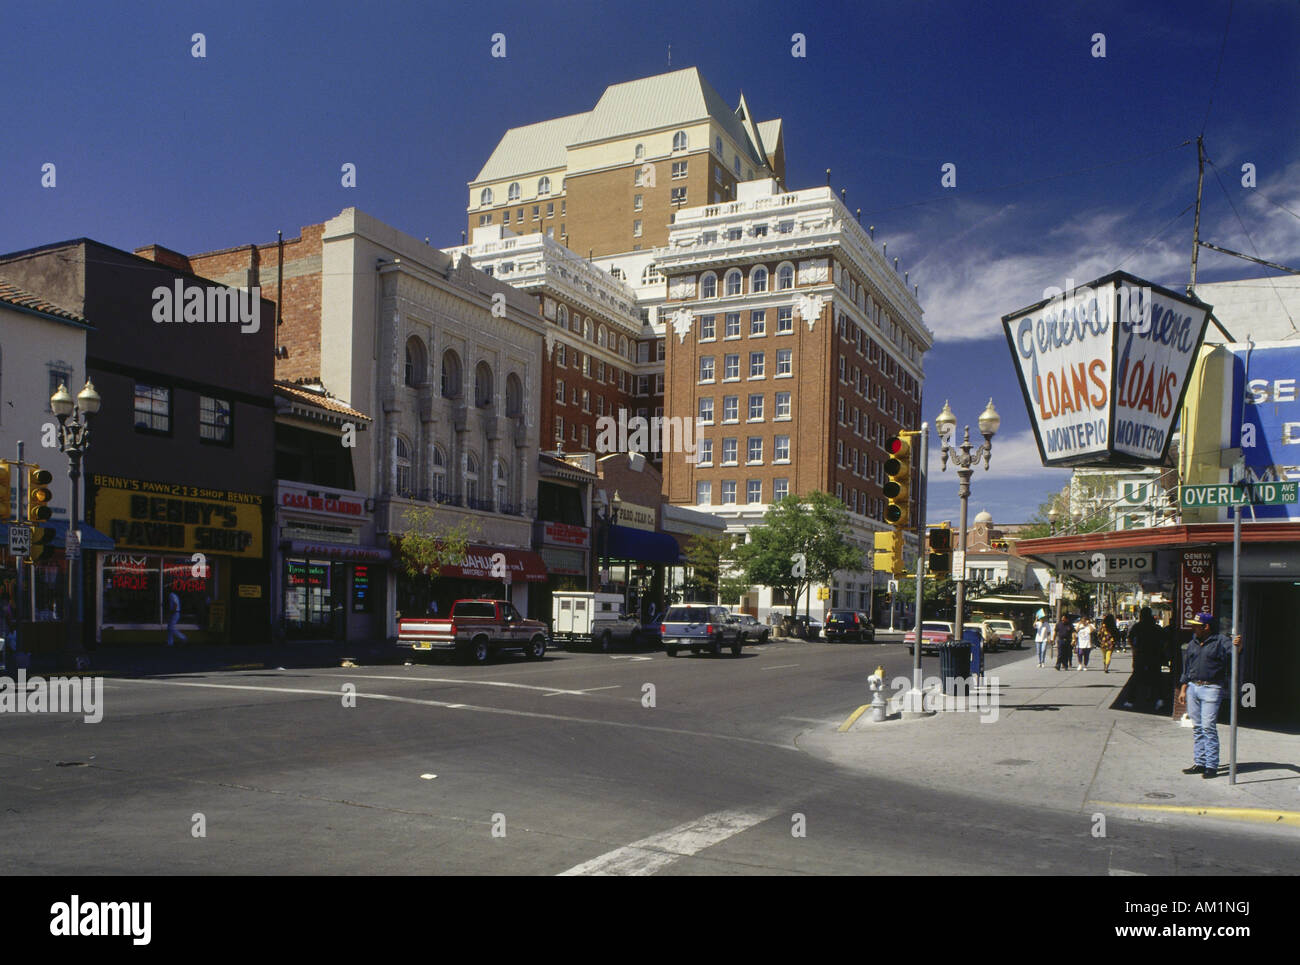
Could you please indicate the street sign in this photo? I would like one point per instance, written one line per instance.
(958, 564)
(1239, 494)
(20, 540)
(893, 587)
(72, 544)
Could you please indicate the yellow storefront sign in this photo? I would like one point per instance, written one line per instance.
(170, 517)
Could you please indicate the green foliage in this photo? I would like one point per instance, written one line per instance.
(426, 546)
(705, 556)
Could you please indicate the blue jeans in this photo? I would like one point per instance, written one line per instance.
(1203, 708)
(1042, 650)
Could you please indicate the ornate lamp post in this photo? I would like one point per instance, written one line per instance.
(74, 439)
(964, 458)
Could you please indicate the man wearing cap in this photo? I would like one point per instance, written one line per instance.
(1207, 662)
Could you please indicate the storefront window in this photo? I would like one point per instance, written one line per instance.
(135, 589)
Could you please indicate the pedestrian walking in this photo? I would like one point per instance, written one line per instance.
(1146, 639)
(1083, 641)
(1043, 635)
(1207, 661)
(1107, 639)
(1064, 642)
(173, 617)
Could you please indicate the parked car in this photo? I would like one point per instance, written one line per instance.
(475, 630)
(849, 625)
(701, 628)
(597, 620)
(801, 627)
(752, 630)
(1000, 633)
(933, 634)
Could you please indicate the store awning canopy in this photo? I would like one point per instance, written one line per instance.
(524, 566)
(641, 546)
(91, 538)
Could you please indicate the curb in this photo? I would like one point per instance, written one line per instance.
(1268, 816)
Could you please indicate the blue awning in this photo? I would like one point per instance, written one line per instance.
(641, 546)
(91, 538)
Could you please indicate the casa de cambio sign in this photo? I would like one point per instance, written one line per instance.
(1103, 369)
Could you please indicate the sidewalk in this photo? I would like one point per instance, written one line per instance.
(143, 660)
(1055, 741)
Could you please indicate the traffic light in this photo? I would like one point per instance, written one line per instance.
(42, 543)
(5, 477)
(889, 552)
(940, 538)
(38, 494)
(897, 489)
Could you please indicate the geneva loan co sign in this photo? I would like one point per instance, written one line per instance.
(1104, 369)
(1195, 585)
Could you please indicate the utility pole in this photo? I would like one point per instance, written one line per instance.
(1196, 224)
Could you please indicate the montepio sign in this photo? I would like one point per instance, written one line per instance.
(1103, 368)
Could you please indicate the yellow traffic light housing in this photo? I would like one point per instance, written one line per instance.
(42, 543)
(940, 540)
(38, 494)
(889, 552)
(898, 488)
(6, 476)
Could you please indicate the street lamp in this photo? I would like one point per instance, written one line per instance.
(965, 457)
(74, 439)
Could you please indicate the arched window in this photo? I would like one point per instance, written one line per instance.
(562, 317)
(439, 474)
(514, 193)
(576, 325)
(785, 277)
(514, 396)
(651, 276)
(417, 365)
(402, 460)
(482, 385)
(679, 141)
(758, 279)
(602, 337)
(640, 151)
(544, 185)
(717, 143)
(451, 377)
(471, 481)
(708, 285)
(485, 196)
(733, 282)
(622, 345)
(586, 328)
(501, 484)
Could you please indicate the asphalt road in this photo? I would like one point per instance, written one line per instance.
(565, 765)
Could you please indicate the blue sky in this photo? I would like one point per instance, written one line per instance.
(1068, 165)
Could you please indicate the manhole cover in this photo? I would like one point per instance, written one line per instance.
(1159, 795)
(1013, 762)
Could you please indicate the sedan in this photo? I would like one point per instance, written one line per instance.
(751, 630)
(849, 625)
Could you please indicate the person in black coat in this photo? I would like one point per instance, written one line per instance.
(1064, 642)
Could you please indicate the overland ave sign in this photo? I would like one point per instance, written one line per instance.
(1239, 494)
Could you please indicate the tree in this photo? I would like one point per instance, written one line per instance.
(705, 555)
(426, 547)
(1086, 493)
(801, 541)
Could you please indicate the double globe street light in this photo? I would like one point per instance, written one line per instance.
(964, 457)
(74, 439)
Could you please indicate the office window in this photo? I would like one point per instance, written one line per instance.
(736, 165)
(754, 491)
(780, 489)
(586, 366)
(703, 493)
(784, 362)
(550, 231)
(586, 401)
(519, 216)
(214, 420)
(708, 328)
(731, 367)
(586, 438)
(839, 452)
(643, 385)
(758, 323)
(153, 408)
(756, 365)
(728, 492)
(706, 411)
(733, 282)
(782, 405)
(735, 234)
(513, 193)
(784, 320)
(706, 368)
(704, 455)
(485, 196)
(659, 383)
(708, 285)
(781, 449)
(731, 408)
(785, 277)
(484, 219)
(537, 212)
(679, 170)
(754, 449)
(759, 231)
(758, 280)
(563, 205)
(636, 202)
(755, 408)
(559, 428)
(559, 391)
(730, 451)
(679, 141)
(678, 196)
(733, 325)
(717, 146)
(661, 349)
(561, 354)
(841, 412)
(842, 373)
(550, 209)
(636, 229)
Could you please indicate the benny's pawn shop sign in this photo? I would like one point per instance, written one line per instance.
(1103, 368)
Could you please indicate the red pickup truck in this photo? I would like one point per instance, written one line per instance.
(475, 630)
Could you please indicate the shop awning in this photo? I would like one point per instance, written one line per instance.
(346, 552)
(91, 538)
(641, 546)
(523, 565)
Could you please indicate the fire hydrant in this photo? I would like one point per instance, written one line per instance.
(877, 683)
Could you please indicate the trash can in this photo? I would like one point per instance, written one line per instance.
(975, 640)
(954, 667)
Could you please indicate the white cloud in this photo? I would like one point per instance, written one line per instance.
(1013, 486)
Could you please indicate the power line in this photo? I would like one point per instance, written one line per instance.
(1209, 102)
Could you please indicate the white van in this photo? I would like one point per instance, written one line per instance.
(582, 619)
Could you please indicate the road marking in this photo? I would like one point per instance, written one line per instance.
(784, 666)
(853, 717)
(587, 690)
(1121, 873)
(628, 656)
(1259, 815)
(334, 695)
(454, 680)
(648, 855)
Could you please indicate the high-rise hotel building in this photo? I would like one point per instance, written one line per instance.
(770, 316)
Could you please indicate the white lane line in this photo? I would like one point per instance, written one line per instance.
(455, 680)
(784, 666)
(587, 690)
(648, 855)
(564, 718)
